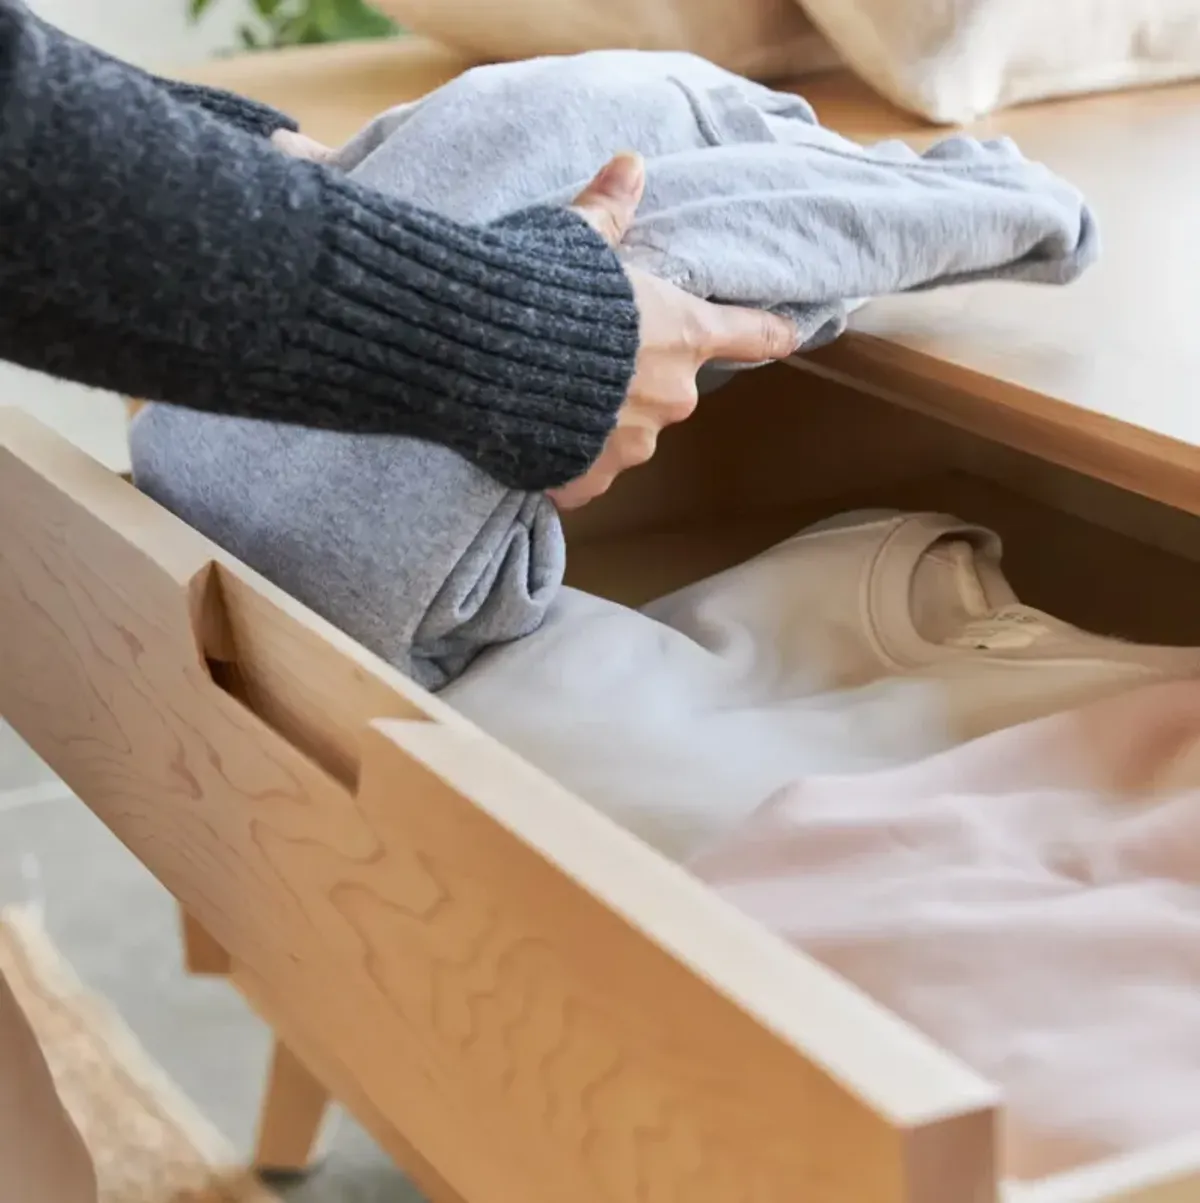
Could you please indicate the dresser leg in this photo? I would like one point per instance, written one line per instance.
(294, 1102)
(294, 1108)
(202, 955)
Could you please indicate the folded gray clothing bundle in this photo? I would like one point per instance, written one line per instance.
(748, 198)
(416, 553)
(425, 559)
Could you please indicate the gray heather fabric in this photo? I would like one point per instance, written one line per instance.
(420, 556)
(748, 198)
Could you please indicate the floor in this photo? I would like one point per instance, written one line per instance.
(118, 929)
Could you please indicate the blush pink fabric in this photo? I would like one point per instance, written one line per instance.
(1031, 900)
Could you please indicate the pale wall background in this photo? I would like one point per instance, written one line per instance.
(151, 33)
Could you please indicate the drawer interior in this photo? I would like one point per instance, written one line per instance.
(778, 449)
(529, 1003)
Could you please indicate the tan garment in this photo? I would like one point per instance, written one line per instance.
(764, 39)
(867, 641)
(1030, 900)
(955, 60)
(42, 1158)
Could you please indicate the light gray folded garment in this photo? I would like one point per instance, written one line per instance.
(422, 557)
(748, 198)
(416, 553)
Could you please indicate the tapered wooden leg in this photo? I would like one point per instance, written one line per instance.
(294, 1102)
(294, 1108)
(202, 955)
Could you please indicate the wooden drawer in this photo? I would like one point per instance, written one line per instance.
(519, 999)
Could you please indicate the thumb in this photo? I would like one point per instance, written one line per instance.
(609, 202)
(746, 335)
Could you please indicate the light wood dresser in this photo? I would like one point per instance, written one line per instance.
(523, 1003)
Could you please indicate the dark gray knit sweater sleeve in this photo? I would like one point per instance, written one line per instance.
(249, 115)
(246, 114)
(151, 247)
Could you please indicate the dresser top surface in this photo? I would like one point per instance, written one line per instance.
(1114, 358)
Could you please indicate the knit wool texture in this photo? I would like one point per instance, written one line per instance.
(155, 243)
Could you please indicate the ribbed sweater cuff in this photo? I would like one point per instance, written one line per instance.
(519, 338)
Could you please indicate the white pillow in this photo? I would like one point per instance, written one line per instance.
(954, 60)
(764, 39)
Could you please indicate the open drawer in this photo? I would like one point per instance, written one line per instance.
(517, 998)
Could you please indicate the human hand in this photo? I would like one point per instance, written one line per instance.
(678, 334)
(300, 146)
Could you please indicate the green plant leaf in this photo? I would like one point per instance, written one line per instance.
(306, 22)
(291, 29)
(348, 20)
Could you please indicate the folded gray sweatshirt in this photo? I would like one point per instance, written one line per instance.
(749, 199)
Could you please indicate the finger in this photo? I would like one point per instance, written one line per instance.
(597, 480)
(628, 446)
(746, 335)
(299, 146)
(631, 446)
(677, 401)
(610, 201)
(579, 492)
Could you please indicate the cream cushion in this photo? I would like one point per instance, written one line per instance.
(952, 61)
(764, 39)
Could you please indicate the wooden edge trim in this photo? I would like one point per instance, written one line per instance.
(1167, 1173)
(1096, 445)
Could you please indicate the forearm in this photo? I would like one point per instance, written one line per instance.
(151, 248)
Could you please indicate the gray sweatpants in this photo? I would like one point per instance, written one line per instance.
(427, 561)
(414, 552)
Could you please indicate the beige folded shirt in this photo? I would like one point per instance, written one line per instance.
(864, 642)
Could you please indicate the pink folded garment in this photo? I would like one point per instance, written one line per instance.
(1031, 900)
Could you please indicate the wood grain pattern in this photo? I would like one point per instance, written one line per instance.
(277, 1011)
(536, 1003)
(522, 936)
